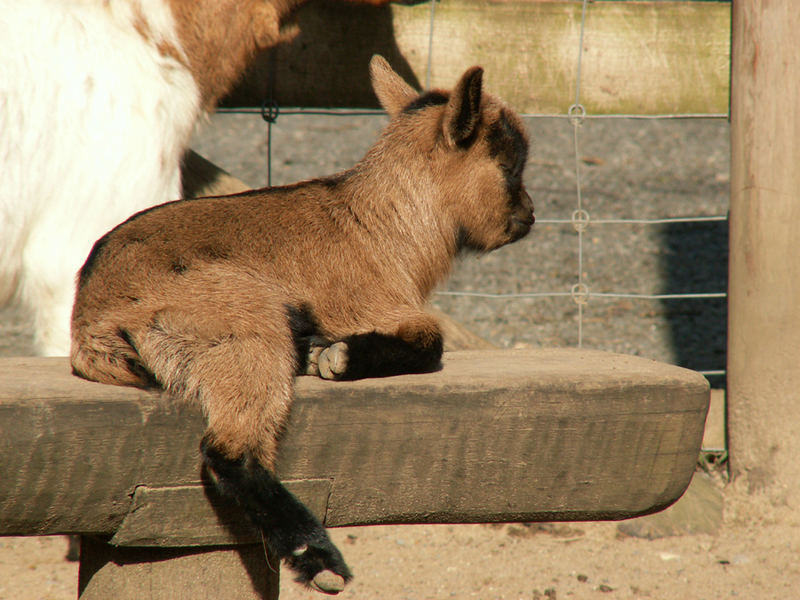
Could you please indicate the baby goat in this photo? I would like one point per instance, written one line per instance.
(222, 301)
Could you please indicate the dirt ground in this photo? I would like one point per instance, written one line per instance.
(632, 169)
(753, 558)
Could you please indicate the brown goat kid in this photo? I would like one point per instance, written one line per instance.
(222, 301)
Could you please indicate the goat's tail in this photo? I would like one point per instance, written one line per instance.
(105, 354)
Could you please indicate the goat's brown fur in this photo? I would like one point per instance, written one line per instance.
(236, 28)
(224, 300)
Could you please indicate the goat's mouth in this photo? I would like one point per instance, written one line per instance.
(520, 225)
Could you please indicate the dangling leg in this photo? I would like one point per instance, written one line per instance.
(293, 533)
(241, 369)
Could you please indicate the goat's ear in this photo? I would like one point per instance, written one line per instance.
(463, 112)
(393, 93)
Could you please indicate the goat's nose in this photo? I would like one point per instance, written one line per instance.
(528, 203)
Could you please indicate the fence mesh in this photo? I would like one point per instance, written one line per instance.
(586, 292)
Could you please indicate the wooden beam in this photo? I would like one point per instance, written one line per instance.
(494, 436)
(638, 57)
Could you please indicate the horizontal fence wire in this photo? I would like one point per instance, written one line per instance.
(511, 295)
(378, 112)
(347, 112)
(656, 221)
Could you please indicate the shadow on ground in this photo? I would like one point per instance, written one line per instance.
(696, 261)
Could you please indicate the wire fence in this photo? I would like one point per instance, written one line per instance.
(581, 219)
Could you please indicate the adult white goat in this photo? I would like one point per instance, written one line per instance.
(98, 100)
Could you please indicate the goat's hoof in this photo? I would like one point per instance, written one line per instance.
(332, 361)
(312, 363)
(327, 582)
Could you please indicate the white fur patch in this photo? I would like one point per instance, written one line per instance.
(94, 120)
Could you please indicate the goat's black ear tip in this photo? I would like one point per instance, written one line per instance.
(474, 75)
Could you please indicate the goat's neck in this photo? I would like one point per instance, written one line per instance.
(400, 208)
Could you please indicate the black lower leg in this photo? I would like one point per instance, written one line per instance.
(291, 531)
(380, 355)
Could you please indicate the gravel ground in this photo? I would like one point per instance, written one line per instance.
(747, 559)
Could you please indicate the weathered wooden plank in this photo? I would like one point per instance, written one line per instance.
(638, 57)
(178, 515)
(494, 436)
(715, 436)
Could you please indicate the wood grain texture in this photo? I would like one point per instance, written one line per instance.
(243, 572)
(178, 516)
(494, 436)
(764, 273)
(638, 57)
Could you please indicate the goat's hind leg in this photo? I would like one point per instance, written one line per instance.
(293, 533)
(244, 382)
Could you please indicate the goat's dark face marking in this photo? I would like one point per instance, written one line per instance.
(495, 208)
(508, 145)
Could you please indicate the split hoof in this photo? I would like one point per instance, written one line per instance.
(327, 582)
(332, 361)
(319, 566)
(312, 361)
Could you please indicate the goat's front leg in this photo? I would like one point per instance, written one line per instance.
(412, 345)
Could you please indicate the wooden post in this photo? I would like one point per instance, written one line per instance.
(764, 302)
(205, 573)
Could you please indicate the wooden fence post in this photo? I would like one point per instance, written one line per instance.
(764, 299)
